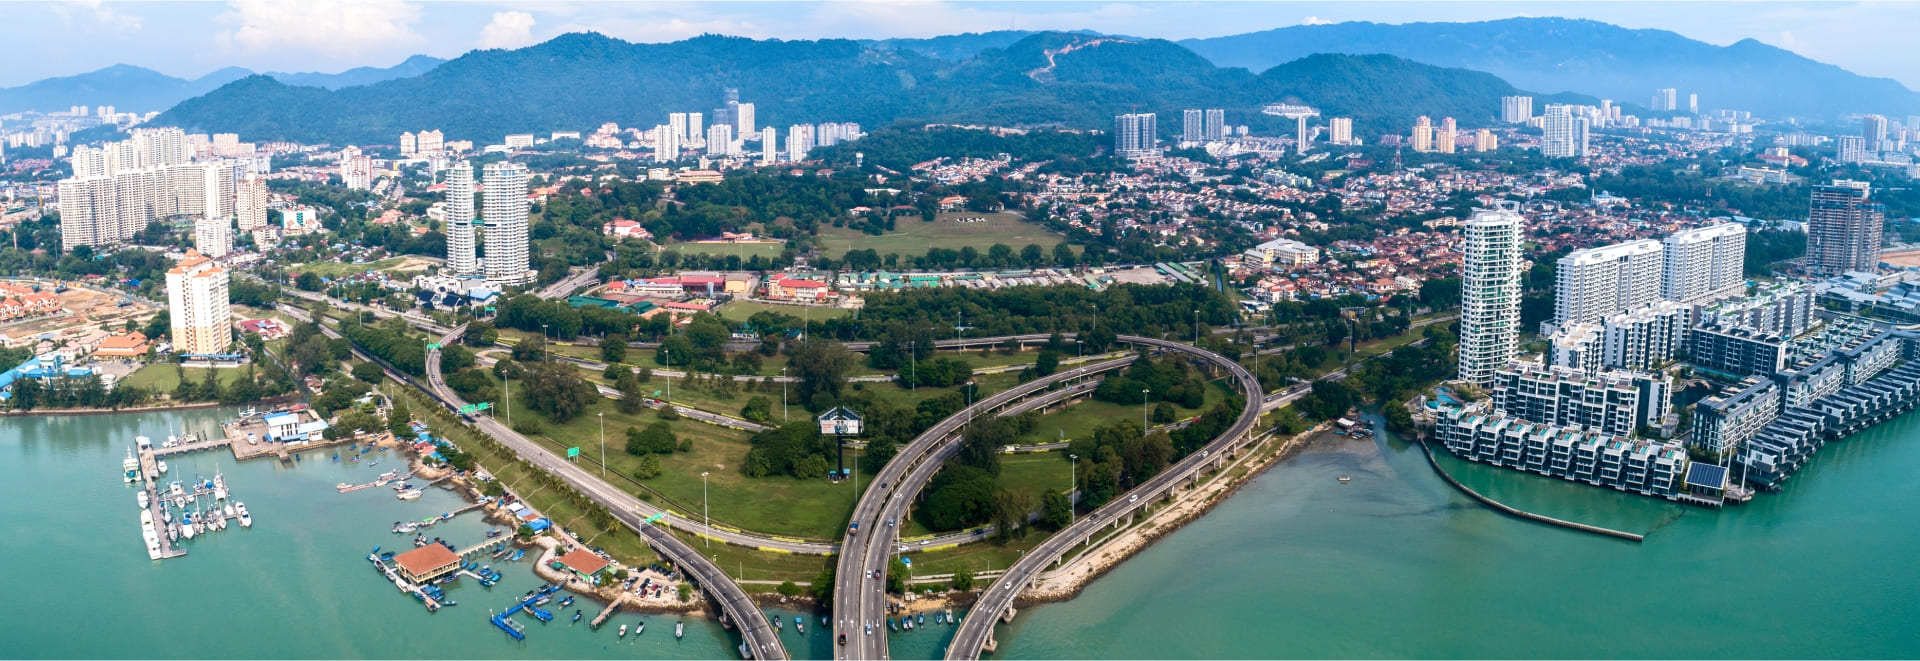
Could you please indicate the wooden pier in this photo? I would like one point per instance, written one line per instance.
(604, 614)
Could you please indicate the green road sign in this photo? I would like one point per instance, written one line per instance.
(573, 452)
(432, 346)
(484, 406)
(469, 408)
(656, 517)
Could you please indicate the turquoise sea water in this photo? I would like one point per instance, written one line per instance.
(1398, 564)
(1393, 564)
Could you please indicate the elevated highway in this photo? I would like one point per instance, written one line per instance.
(977, 630)
(860, 599)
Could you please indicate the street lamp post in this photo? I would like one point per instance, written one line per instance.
(706, 509)
(603, 443)
(784, 419)
(667, 355)
(913, 357)
(1143, 410)
(1073, 474)
(543, 341)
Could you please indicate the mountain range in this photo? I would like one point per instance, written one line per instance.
(1591, 58)
(577, 81)
(130, 88)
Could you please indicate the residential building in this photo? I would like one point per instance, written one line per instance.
(213, 235)
(356, 169)
(1216, 125)
(1282, 252)
(696, 129)
(1563, 135)
(1516, 109)
(677, 125)
(1852, 149)
(428, 143)
(743, 120)
(504, 203)
(1443, 141)
(1654, 468)
(1705, 263)
(1580, 347)
(720, 140)
(1736, 350)
(199, 311)
(1613, 402)
(1422, 134)
(1484, 141)
(769, 148)
(1594, 283)
(1666, 98)
(519, 141)
(1193, 125)
(1843, 229)
(1302, 135)
(1874, 129)
(458, 217)
(799, 142)
(666, 144)
(409, 144)
(250, 202)
(1646, 338)
(1726, 420)
(1340, 130)
(1782, 308)
(1490, 291)
(1135, 136)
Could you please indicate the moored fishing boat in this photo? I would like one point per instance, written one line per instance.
(246, 520)
(130, 467)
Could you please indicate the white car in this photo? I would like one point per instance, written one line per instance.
(1133, 498)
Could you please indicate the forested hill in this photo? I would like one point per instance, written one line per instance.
(578, 81)
(1590, 57)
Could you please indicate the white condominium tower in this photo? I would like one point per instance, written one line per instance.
(1490, 292)
(720, 140)
(769, 148)
(1594, 283)
(666, 144)
(799, 142)
(197, 306)
(459, 220)
(1135, 135)
(1563, 135)
(1193, 127)
(1340, 130)
(213, 235)
(505, 206)
(1516, 109)
(1705, 263)
(250, 202)
(744, 120)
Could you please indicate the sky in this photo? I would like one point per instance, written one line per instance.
(190, 39)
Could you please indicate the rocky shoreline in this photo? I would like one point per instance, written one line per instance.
(1067, 582)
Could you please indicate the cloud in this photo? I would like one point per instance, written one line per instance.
(331, 27)
(100, 14)
(509, 29)
(1315, 20)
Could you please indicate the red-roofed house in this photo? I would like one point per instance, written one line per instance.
(623, 228)
(582, 563)
(788, 288)
(426, 563)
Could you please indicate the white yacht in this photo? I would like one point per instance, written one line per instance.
(141, 496)
(186, 525)
(219, 487)
(246, 521)
(163, 466)
(130, 467)
(228, 509)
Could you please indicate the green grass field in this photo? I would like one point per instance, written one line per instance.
(913, 236)
(741, 310)
(743, 250)
(165, 377)
(1079, 420)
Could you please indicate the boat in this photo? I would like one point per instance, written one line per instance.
(152, 538)
(246, 520)
(640, 628)
(373, 463)
(162, 464)
(130, 467)
(410, 494)
(567, 601)
(166, 513)
(219, 487)
(227, 509)
(890, 625)
(141, 496)
(576, 616)
(922, 619)
(799, 626)
(1346, 478)
(186, 525)
(517, 553)
(623, 631)
(679, 629)
(779, 624)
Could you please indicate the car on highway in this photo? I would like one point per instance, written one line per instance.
(903, 547)
(869, 628)
(889, 522)
(854, 529)
(1133, 498)
(843, 639)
